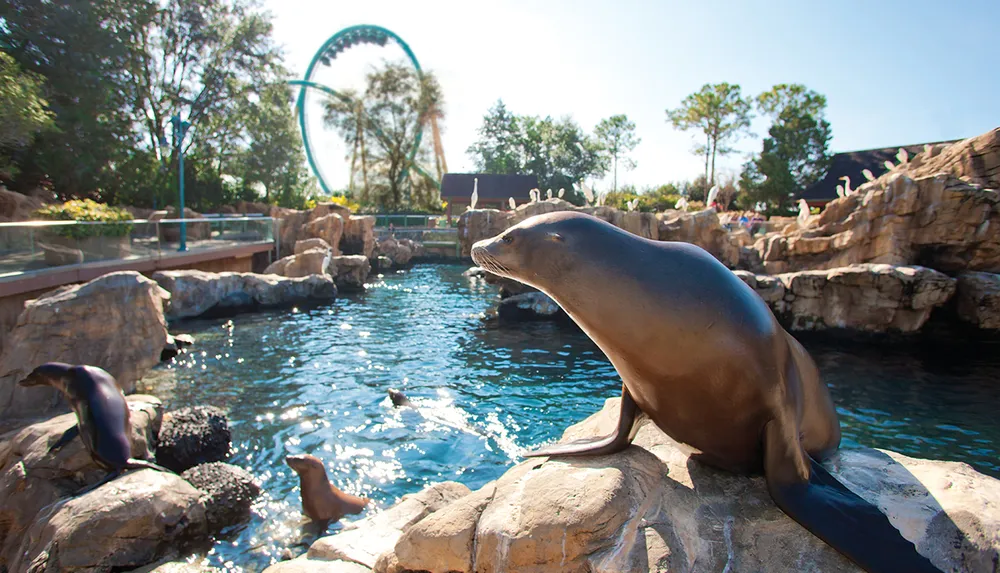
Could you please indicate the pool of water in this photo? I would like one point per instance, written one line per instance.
(314, 380)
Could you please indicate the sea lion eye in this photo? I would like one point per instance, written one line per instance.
(508, 238)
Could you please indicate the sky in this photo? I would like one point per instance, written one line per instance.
(893, 72)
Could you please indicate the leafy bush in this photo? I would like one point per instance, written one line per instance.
(87, 210)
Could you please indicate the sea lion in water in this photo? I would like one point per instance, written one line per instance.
(102, 416)
(321, 500)
(398, 398)
(702, 355)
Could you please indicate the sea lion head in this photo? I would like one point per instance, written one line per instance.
(398, 398)
(55, 374)
(541, 249)
(305, 464)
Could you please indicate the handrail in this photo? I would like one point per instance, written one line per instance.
(38, 223)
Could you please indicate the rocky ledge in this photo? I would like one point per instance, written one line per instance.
(194, 293)
(135, 519)
(652, 508)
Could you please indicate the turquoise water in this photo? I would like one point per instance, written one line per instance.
(313, 380)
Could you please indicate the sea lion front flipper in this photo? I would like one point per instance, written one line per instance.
(616, 441)
(66, 438)
(134, 464)
(835, 514)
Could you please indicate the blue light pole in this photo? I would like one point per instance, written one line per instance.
(180, 130)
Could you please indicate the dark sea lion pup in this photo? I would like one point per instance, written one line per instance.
(398, 398)
(321, 500)
(705, 359)
(102, 416)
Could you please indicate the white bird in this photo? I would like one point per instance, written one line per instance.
(475, 193)
(533, 195)
(561, 192)
(902, 156)
(889, 165)
(512, 203)
(840, 191)
(588, 193)
(847, 185)
(804, 210)
(927, 148)
(682, 204)
(602, 198)
(548, 194)
(712, 194)
(633, 204)
(868, 174)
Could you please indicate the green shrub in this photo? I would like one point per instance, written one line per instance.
(87, 210)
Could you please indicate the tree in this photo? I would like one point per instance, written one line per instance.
(616, 135)
(557, 152)
(498, 149)
(23, 112)
(796, 152)
(84, 51)
(721, 113)
(395, 103)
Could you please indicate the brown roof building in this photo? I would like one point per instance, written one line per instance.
(493, 191)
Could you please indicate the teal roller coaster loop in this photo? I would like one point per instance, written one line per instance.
(342, 40)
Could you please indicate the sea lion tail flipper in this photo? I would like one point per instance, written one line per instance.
(134, 464)
(616, 441)
(66, 438)
(835, 514)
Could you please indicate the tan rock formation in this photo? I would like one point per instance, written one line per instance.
(940, 210)
(330, 228)
(115, 321)
(652, 508)
(17, 207)
(398, 252)
(304, 245)
(359, 236)
(978, 299)
(703, 229)
(867, 298)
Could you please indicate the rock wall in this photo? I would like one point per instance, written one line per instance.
(17, 207)
(194, 293)
(865, 298)
(115, 321)
(978, 299)
(940, 210)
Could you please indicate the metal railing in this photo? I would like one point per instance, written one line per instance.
(32, 246)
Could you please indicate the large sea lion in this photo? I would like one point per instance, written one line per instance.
(102, 415)
(398, 398)
(705, 359)
(321, 500)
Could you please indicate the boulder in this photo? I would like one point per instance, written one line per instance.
(653, 508)
(477, 224)
(529, 306)
(365, 540)
(32, 478)
(126, 523)
(311, 262)
(17, 207)
(304, 245)
(351, 271)
(940, 210)
(115, 322)
(58, 255)
(359, 236)
(194, 293)
(417, 249)
(171, 232)
(229, 492)
(398, 252)
(191, 436)
(865, 298)
(383, 263)
(330, 228)
(306, 565)
(978, 299)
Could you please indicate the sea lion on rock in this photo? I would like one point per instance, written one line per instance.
(321, 500)
(102, 416)
(702, 355)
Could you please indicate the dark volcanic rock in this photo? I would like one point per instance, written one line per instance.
(192, 436)
(229, 492)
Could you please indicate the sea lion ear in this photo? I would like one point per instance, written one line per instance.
(555, 237)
